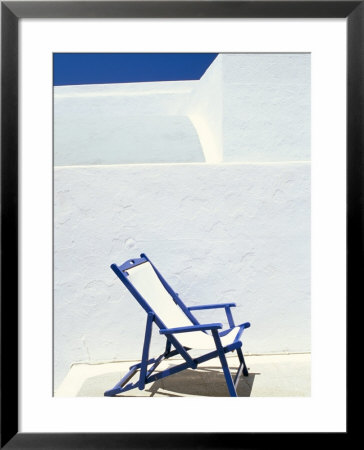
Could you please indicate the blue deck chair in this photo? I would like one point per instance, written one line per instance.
(176, 322)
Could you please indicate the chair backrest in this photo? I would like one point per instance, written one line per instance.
(142, 280)
(155, 295)
(145, 280)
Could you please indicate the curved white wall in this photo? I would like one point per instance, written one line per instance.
(218, 232)
(205, 109)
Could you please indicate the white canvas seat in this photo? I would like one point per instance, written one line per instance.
(145, 280)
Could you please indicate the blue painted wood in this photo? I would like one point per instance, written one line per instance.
(138, 366)
(144, 365)
(118, 387)
(123, 277)
(143, 303)
(146, 376)
(242, 362)
(167, 372)
(167, 354)
(242, 328)
(168, 347)
(128, 387)
(130, 263)
(225, 332)
(237, 376)
(226, 306)
(188, 329)
(213, 306)
(150, 378)
(229, 317)
(214, 353)
(155, 365)
(224, 364)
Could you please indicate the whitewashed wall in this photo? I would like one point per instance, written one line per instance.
(237, 231)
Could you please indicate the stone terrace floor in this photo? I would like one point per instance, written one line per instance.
(287, 375)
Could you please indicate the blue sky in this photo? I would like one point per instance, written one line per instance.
(103, 68)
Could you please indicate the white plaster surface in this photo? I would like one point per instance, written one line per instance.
(224, 232)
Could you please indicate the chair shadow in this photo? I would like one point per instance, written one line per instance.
(203, 381)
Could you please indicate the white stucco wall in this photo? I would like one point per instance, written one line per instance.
(219, 231)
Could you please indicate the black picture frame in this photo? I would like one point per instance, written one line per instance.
(11, 12)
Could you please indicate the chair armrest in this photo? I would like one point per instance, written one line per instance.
(208, 326)
(215, 306)
(227, 307)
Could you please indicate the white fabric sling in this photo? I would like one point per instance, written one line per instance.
(146, 282)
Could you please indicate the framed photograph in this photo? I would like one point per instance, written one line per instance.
(224, 141)
(225, 147)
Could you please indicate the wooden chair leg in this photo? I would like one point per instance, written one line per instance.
(241, 359)
(224, 364)
(145, 356)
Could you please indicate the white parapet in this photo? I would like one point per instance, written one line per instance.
(124, 123)
(246, 107)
